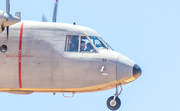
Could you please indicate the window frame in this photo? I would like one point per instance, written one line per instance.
(79, 45)
(87, 37)
(66, 42)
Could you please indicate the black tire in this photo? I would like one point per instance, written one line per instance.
(116, 106)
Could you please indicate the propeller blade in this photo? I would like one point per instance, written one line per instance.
(55, 11)
(7, 6)
(7, 11)
(7, 32)
(44, 19)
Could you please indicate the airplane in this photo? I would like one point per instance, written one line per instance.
(59, 58)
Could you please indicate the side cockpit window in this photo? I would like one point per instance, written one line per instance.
(72, 43)
(78, 44)
(86, 45)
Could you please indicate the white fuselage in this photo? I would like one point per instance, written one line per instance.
(36, 61)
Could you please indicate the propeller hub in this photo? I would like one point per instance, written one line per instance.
(6, 19)
(10, 19)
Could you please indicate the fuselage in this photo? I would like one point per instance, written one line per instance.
(39, 59)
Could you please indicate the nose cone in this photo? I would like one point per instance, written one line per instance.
(10, 19)
(136, 71)
(124, 68)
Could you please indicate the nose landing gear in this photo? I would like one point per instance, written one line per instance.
(113, 102)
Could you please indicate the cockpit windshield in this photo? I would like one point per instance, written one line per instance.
(98, 42)
(75, 43)
(109, 47)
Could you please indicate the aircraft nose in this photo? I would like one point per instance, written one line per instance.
(136, 71)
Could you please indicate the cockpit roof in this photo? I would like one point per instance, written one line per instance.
(64, 27)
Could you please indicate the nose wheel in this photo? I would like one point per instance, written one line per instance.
(113, 102)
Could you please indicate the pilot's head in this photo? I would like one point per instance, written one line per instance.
(83, 44)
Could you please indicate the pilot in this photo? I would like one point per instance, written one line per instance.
(89, 47)
(83, 44)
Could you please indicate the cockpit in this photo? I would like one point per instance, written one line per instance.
(76, 43)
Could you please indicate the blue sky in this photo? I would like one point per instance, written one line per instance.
(146, 31)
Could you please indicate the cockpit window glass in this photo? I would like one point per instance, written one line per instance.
(72, 43)
(97, 42)
(86, 45)
(109, 47)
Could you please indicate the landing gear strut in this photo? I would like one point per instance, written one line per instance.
(113, 102)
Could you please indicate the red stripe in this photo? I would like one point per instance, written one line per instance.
(20, 54)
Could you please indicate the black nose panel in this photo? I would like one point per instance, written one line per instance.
(136, 71)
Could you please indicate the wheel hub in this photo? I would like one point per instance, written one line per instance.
(113, 103)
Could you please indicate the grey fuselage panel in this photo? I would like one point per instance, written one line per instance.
(45, 65)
